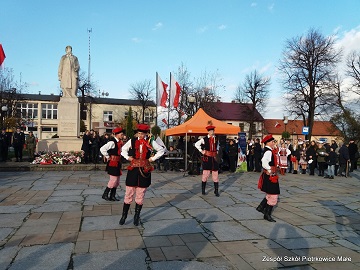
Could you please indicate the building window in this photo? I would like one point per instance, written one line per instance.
(49, 111)
(49, 129)
(108, 116)
(253, 129)
(148, 117)
(27, 110)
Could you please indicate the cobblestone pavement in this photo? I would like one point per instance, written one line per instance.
(58, 220)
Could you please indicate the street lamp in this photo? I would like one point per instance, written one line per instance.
(191, 100)
(103, 93)
(286, 121)
(4, 110)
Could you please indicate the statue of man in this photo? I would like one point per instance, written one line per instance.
(68, 73)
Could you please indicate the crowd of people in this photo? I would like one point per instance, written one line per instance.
(92, 142)
(20, 142)
(304, 157)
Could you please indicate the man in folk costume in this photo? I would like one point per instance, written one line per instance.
(268, 181)
(208, 147)
(111, 151)
(138, 151)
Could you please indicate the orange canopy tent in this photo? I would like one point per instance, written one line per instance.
(197, 126)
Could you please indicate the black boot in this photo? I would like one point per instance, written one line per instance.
(261, 207)
(203, 185)
(216, 191)
(137, 214)
(267, 215)
(113, 195)
(105, 196)
(303, 171)
(295, 172)
(124, 213)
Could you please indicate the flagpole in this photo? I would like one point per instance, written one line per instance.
(157, 87)
(169, 104)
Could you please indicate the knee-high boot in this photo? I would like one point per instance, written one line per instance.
(137, 214)
(105, 196)
(124, 213)
(113, 195)
(203, 185)
(261, 207)
(267, 214)
(216, 191)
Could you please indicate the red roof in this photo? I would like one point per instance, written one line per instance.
(233, 111)
(320, 128)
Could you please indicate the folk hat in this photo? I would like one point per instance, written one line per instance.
(143, 128)
(267, 138)
(210, 126)
(118, 130)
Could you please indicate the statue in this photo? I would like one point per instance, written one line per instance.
(69, 73)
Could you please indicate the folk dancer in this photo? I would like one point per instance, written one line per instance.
(138, 151)
(303, 162)
(207, 147)
(283, 153)
(111, 152)
(269, 180)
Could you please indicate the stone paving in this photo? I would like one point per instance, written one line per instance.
(58, 220)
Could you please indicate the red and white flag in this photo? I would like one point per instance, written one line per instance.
(175, 91)
(161, 92)
(2, 55)
(277, 124)
(164, 121)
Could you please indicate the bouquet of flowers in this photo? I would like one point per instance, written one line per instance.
(62, 158)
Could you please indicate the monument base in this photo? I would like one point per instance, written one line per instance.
(68, 117)
(60, 144)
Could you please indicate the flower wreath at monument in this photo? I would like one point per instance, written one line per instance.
(60, 158)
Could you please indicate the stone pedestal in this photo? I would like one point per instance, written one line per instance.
(60, 144)
(68, 118)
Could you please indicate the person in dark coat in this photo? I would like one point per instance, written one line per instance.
(269, 180)
(353, 154)
(138, 151)
(86, 146)
(111, 151)
(4, 145)
(209, 148)
(311, 157)
(250, 155)
(343, 160)
(257, 155)
(233, 155)
(18, 141)
(331, 162)
(95, 147)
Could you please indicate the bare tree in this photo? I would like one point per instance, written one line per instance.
(254, 90)
(183, 77)
(87, 91)
(143, 92)
(308, 65)
(205, 91)
(342, 115)
(353, 70)
(10, 95)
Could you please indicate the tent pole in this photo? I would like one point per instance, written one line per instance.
(186, 150)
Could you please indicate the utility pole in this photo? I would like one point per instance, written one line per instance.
(89, 32)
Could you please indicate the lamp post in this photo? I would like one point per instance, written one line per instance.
(4, 110)
(191, 100)
(103, 93)
(286, 121)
